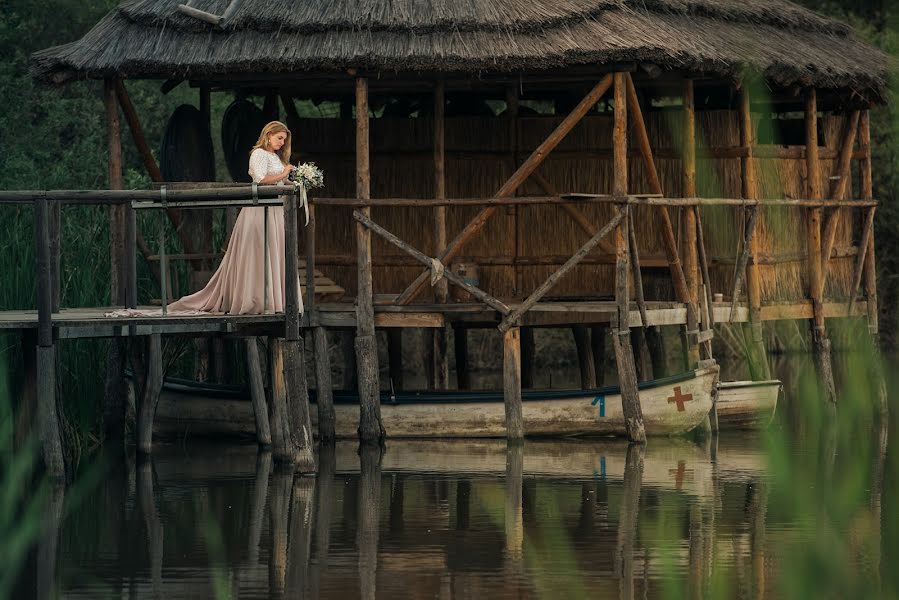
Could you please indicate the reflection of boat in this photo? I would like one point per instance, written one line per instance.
(747, 404)
(671, 405)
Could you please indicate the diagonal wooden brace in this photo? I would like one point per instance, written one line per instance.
(741, 264)
(512, 318)
(521, 174)
(432, 263)
(867, 233)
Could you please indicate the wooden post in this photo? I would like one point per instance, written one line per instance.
(54, 240)
(257, 393)
(691, 255)
(130, 257)
(114, 390)
(585, 357)
(460, 348)
(758, 353)
(521, 174)
(279, 420)
(324, 394)
(371, 429)
(299, 421)
(150, 396)
(512, 383)
(816, 287)
(46, 355)
(638, 336)
(440, 363)
(869, 269)
(624, 355)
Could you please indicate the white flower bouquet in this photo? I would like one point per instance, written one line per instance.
(307, 175)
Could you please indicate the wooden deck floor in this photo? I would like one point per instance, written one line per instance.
(91, 322)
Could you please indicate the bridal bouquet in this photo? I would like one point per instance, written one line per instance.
(308, 176)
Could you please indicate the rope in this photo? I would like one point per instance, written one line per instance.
(437, 270)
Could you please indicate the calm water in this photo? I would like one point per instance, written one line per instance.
(476, 519)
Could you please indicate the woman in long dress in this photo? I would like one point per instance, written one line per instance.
(238, 286)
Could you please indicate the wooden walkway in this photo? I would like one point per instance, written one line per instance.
(90, 322)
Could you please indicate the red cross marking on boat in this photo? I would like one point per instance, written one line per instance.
(679, 398)
(680, 474)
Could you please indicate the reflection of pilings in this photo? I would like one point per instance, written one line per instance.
(627, 520)
(279, 513)
(397, 499)
(877, 482)
(48, 544)
(300, 537)
(586, 519)
(696, 552)
(758, 507)
(324, 501)
(514, 499)
(147, 502)
(257, 507)
(463, 504)
(369, 514)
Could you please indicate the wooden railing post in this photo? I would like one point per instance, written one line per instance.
(299, 423)
(624, 354)
(371, 429)
(46, 354)
(815, 264)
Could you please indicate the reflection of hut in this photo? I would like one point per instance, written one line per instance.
(725, 99)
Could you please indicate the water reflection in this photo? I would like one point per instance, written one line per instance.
(451, 519)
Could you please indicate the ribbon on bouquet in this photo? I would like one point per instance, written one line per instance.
(304, 201)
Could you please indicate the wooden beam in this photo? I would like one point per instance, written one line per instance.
(371, 429)
(573, 211)
(200, 15)
(858, 270)
(815, 192)
(513, 317)
(691, 255)
(624, 355)
(508, 188)
(867, 192)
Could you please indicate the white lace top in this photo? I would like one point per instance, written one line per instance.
(264, 163)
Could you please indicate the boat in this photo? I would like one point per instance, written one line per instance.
(747, 404)
(671, 406)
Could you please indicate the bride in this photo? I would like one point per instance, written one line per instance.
(238, 286)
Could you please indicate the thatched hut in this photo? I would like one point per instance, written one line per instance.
(433, 101)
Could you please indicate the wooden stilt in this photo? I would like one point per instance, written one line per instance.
(869, 269)
(759, 354)
(624, 356)
(324, 394)
(638, 336)
(48, 418)
(371, 429)
(512, 383)
(395, 357)
(150, 395)
(440, 360)
(528, 349)
(691, 250)
(114, 389)
(460, 349)
(585, 357)
(299, 422)
(257, 393)
(816, 286)
(281, 451)
(348, 356)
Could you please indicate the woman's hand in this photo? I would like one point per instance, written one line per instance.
(287, 170)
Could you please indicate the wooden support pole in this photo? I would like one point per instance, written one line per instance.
(48, 419)
(691, 255)
(867, 193)
(624, 355)
(815, 264)
(758, 356)
(114, 389)
(54, 216)
(460, 349)
(585, 358)
(638, 336)
(371, 429)
(281, 450)
(257, 393)
(512, 383)
(439, 335)
(324, 394)
(150, 395)
(299, 420)
(521, 174)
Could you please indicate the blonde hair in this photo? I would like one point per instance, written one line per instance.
(272, 128)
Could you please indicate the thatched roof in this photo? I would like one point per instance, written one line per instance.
(785, 42)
